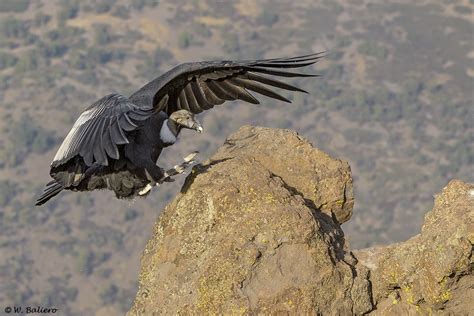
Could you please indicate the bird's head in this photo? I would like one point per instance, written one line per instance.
(186, 119)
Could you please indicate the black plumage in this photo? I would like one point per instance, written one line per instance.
(115, 143)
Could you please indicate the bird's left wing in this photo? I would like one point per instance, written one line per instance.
(202, 85)
(99, 130)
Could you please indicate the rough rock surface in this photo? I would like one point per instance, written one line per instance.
(431, 272)
(322, 180)
(245, 234)
(256, 230)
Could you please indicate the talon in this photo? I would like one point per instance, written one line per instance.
(190, 157)
(146, 189)
(179, 169)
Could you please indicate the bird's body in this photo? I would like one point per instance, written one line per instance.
(116, 142)
(125, 176)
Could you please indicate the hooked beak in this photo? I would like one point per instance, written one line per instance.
(197, 126)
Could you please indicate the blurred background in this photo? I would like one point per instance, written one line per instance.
(395, 100)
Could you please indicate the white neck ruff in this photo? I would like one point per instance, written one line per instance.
(166, 134)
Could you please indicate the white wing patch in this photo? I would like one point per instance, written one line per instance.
(100, 129)
(65, 147)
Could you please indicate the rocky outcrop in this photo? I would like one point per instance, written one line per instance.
(431, 272)
(253, 231)
(256, 229)
(322, 180)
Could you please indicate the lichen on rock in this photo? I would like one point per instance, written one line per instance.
(256, 230)
(432, 271)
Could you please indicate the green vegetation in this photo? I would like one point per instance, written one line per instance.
(112, 294)
(7, 192)
(85, 261)
(29, 61)
(109, 294)
(131, 214)
(361, 136)
(60, 294)
(462, 9)
(41, 19)
(69, 10)
(7, 60)
(202, 30)
(104, 6)
(141, 4)
(103, 34)
(184, 40)
(24, 137)
(67, 35)
(11, 27)
(267, 18)
(99, 56)
(151, 64)
(121, 12)
(231, 43)
(373, 49)
(14, 5)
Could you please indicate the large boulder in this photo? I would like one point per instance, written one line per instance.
(431, 272)
(320, 179)
(254, 230)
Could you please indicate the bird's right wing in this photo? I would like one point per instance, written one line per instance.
(200, 86)
(100, 129)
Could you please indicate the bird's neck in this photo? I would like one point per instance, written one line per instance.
(169, 132)
(173, 127)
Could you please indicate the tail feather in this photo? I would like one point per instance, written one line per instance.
(51, 189)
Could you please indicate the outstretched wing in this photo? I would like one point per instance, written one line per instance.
(99, 130)
(200, 86)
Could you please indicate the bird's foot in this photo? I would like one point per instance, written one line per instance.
(167, 175)
(154, 174)
(147, 188)
(179, 169)
(191, 156)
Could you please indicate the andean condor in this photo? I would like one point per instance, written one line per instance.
(115, 143)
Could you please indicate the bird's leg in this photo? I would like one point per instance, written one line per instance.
(154, 173)
(153, 180)
(178, 169)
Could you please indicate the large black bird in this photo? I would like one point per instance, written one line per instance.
(115, 143)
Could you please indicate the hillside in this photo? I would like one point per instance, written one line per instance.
(394, 98)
